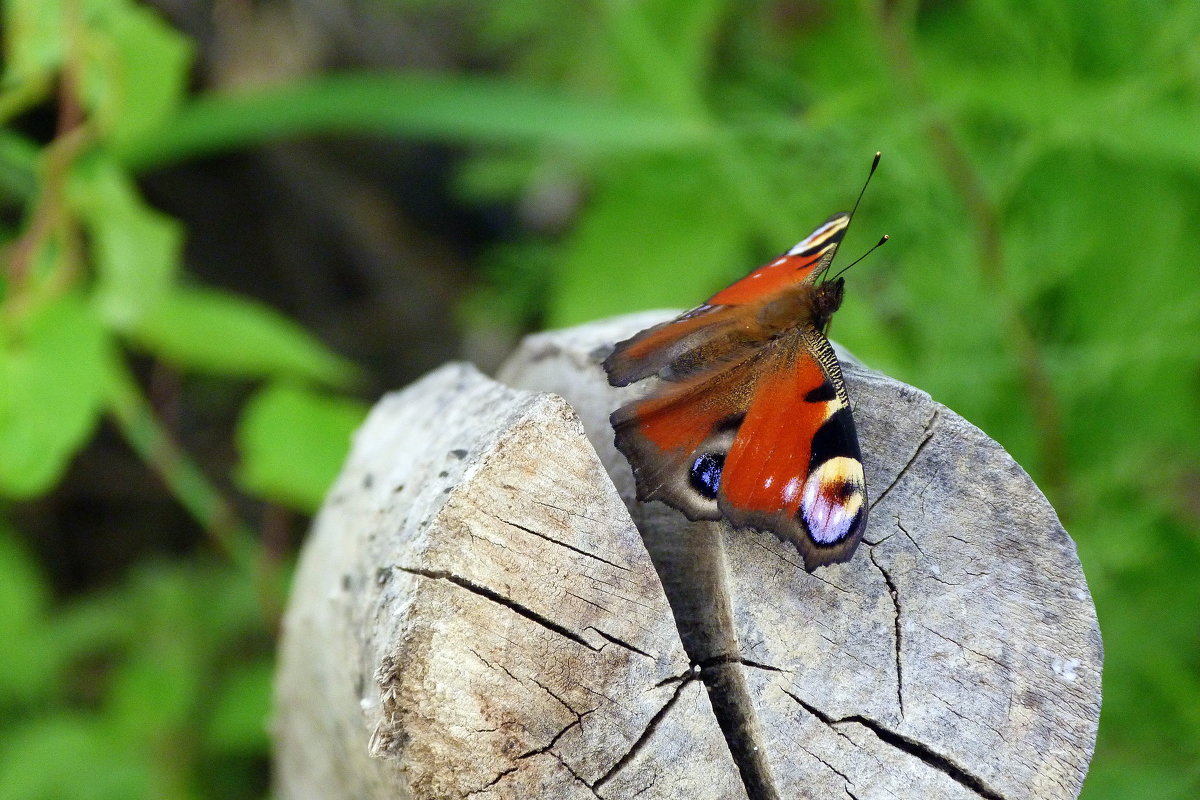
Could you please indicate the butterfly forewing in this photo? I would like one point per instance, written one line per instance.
(799, 266)
(716, 331)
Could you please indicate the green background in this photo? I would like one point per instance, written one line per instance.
(1040, 184)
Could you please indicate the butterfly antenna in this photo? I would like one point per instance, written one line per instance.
(861, 192)
(867, 182)
(878, 245)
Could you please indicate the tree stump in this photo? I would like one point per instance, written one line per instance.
(484, 611)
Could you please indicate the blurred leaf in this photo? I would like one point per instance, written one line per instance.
(1127, 119)
(157, 685)
(293, 442)
(28, 670)
(18, 162)
(33, 39)
(457, 109)
(514, 288)
(70, 755)
(213, 331)
(135, 69)
(135, 249)
(52, 382)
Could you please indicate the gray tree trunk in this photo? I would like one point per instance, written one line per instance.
(476, 614)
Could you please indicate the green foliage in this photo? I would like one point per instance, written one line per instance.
(1040, 182)
(95, 265)
(159, 687)
(194, 329)
(426, 106)
(130, 693)
(295, 470)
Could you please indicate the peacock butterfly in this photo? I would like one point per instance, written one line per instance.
(749, 420)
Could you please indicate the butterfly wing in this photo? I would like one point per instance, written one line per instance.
(767, 443)
(667, 349)
(716, 332)
(665, 433)
(749, 424)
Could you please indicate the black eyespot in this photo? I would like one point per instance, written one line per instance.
(822, 394)
(705, 476)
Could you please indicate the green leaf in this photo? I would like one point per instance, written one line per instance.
(457, 109)
(157, 685)
(135, 248)
(293, 442)
(135, 70)
(52, 386)
(212, 331)
(33, 764)
(18, 165)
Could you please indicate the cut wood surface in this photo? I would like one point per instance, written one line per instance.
(476, 614)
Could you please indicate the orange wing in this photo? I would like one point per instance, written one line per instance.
(794, 467)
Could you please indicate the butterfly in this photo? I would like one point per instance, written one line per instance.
(749, 420)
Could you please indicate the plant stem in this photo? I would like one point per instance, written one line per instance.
(155, 446)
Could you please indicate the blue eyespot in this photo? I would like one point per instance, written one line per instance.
(705, 475)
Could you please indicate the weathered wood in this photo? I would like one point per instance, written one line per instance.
(476, 615)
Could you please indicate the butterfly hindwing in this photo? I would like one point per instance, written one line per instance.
(794, 466)
(662, 435)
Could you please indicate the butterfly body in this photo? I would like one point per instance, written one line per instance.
(749, 420)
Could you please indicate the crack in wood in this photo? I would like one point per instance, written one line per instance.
(926, 438)
(831, 767)
(619, 642)
(591, 603)
(1006, 668)
(735, 713)
(640, 742)
(574, 774)
(734, 659)
(561, 543)
(492, 782)
(917, 749)
(895, 595)
(546, 748)
(496, 597)
(909, 536)
(694, 577)
(691, 674)
(494, 667)
(569, 512)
